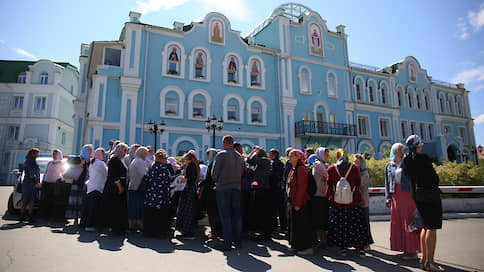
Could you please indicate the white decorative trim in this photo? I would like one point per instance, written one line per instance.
(239, 72)
(262, 73)
(181, 102)
(326, 110)
(165, 55)
(209, 30)
(240, 108)
(299, 76)
(208, 64)
(183, 139)
(208, 103)
(331, 72)
(364, 142)
(310, 41)
(263, 104)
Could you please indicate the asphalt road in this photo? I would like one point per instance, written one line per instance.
(48, 246)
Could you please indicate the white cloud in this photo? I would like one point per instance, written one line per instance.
(233, 9)
(470, 75)
(24, 53)
(476, 18)
(156, 5)
(479, 119)
(463, 29)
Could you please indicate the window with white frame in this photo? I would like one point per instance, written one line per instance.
(384, 128)
(13, 132)
(332, 120)
(418, 101)
(371, 94)
(450, 102)
(305, 115)
(399, 98)
(22, 78)
(363, 126)
(441, 101)
(383, 96)
(40, 103)
(412, 128)
(171, 106)
(422, 131)
(232, 112)
(358, 92)
(410, 102)
(44, 78)
(320, 116)
(304, 79)
(426, 98)
(255, 113)
(459, 106)
(18, 103)
(331, 83)
(198, 109)
(403, 129)
(112, 57)
(462, 134)
(431, 132)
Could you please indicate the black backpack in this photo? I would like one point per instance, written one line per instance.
(311, 189)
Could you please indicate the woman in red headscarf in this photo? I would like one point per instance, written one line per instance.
(301, 237)
(347, 227)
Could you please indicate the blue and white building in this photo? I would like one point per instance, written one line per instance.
(36, 109)
(289, 82)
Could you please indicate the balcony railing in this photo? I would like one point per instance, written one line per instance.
(324, 128)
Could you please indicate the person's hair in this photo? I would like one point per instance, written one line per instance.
(190, 156)
(75, 160)
(228, 139)
(275, 152)
(120, 147)
(111, 142)
(160, 155)
(288, 150)
(309, 150)
(261, 153)
(237, 144)
(32, 153)
(140, 151)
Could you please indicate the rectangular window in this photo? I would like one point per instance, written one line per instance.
(410, 104)
(331, 86)
(255, 115)
(18, 102)
(384, 128)
(363, 126)
(40, 102)
(431, 132)
(44, 78)
(198, 109)
(462, 134)
(112, 57)
(171, 106)
(63, 139)
(22, 78)
(399, 94)
(383, 96)
(412, 128)
(332, 119)
(305, 116)
(371, 95)
(319, 117)
(13, 132)
(304, 82)
(422, 131)
(403, 128)
(232, 112)
(358, 92)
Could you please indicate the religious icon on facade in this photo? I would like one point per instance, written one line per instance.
(413, 73)
(217, 34)
(254, 74)
(316, 45)
(232, 70)
(173, 61)
(200, 65)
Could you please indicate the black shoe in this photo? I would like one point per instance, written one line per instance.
(186, 236)
(22, 218)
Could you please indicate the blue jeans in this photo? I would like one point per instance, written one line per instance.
(228, 202)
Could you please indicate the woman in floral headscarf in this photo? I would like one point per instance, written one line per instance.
(347, 227)
(301, 236)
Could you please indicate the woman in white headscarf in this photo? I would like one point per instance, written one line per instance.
(320, 203)
(136, 198)
(53, 173)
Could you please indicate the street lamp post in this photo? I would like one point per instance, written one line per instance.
(155, 128)
(213, 124)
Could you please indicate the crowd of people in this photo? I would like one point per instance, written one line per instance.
(317, 204)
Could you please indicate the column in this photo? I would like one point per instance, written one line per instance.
(129, 91)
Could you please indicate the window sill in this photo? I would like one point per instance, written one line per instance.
(232, 84)
(233, 121)
(173, 76)
(257, 124)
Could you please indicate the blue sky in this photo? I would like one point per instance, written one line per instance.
(446, 36)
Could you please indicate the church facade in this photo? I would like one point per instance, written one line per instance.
(289, 82)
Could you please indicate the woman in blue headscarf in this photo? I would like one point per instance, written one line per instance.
(208, 199)
(319, 202)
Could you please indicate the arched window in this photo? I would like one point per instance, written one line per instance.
(459, 106)
(331, 82)
(256, 73)
(44, 78)
(383, 96)
(173, 60)
(441, 100)
(172, 100)
(410, 102)
(199, 102)
(22, 78)
(426, 98)
(304, 80)
(200, 64)
(371, 94)
(450, 101)
(399, 98)
(418, 101)
(233, 69)
(233, 107)
(256, 110)
(412, 72)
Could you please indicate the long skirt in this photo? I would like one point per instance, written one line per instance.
(92, 210)
(320, 210)
(347, 227)
(136, 205)
(403, 209)
(262, 215)
(301, 234)
(366, 218)
(74, 204)
(157, 221)
(186, 216)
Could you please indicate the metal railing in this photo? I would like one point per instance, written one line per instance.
(324, 128)
(364, 66)
(443, 83)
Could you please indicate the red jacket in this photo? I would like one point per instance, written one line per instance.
(298, 185)
(354, 180)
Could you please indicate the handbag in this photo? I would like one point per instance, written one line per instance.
(143, 184)
(427, 195)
